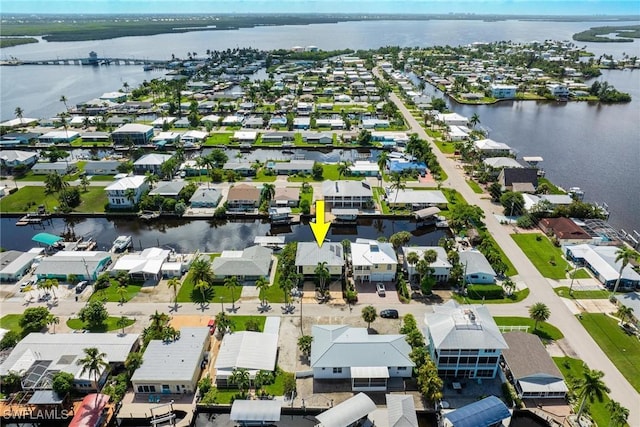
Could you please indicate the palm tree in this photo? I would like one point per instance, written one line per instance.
(412, 260)
(19, 112)
(268, 191)
(539, 312)
(125, 86)
(262, 285)
(240, 378)
(130, 195)
(158, 320)
(52, 285)
(422, 268)
(151, 178)
(53, 320)
(508, 284)
(122, 293)
(322, 273)
(590, 386)
(200, 162)
(344, 169)
(286, 286)
(382, 160)
(201, 270)
(231, 282)
(133, 362)
(262, 378)
(397, 184)
(369, 314)
(624, 313)
(123, 322)
(624, 255)
(173, 284)
(93, 363)
(54, 183)
(619, 414)
(64, 100)
(203, 287)
(474, 120)
(84, 181)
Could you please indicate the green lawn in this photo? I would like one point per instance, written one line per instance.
(378, 193)
(94, 200)
(11, 322)
(304, 196)
(329, 172)
(28, 198)
(545, 330)
(220, 138)
(262, 177)
(515, 297)
(105, 178)
(540, 252)
(213, 295)
(475, 187)
(563, 291)
(240, 322)
(552, 187)
(30, 176)
(453, 196)
(110, 325)
(623, 349)
(445, 147)
(110, 294)
(571, 370)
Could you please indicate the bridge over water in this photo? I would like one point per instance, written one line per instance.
(92, 60)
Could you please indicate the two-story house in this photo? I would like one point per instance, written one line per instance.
(347, 194)
(309, 254)
(463, 340)
(119, 196)
(373, 261)
(150, 163)
(243, 197)
(441, 267)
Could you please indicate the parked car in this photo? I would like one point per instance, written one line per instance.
(81, 286)
(389, 313)
(380, 289)
(28, 284)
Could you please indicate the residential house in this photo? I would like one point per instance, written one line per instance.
(558, 90)
(390, 139)
(565, 230)
(15, 264)
(243, 197)
(145, 265)
(11, 158)
(40, 356)
(463, 341)
(113, 97)
(169, 189)
(205, 198)
(118, 195)
(404, 165)
(233, 120)
(18, 122)
(241, 168)
(368, 361)
(601, 261)
(278, 136)
(317, 137)
(375, 123)
(532, 371)
(247, 265)
(191, 168)
(292, 167)
(13, 139)
(373, 261)
(401, 410)
(286, 196)
(333, 124)
(253, 351)
(85, 265)
(415, 199)
(309, 255)
(253, 123)
(503, 91)
(491, 148)
(132, 133)
(277, 121)
(441, 267)
(452, 119)
(150, 163)
(58, 136)
(101, 167)
(301, 123)
(352, 194)
(61, 167)
(487, 412)
(500, 163)
(364, 168)
(477, 269)
(161, 122)
(173, 367)
(164, 138)
(535, 201)
(182, 123)
(458, 133)
(630, 300)
(193, 137)
(247, 137)
(519, 179)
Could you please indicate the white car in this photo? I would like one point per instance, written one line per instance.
(28, 284)
(380, 289)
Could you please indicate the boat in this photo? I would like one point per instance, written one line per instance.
(148, 215)
(121, 243)
(147, 67)
(576, 193)
(86, 245)
(345, 215)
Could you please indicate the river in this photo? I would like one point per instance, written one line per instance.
(595, 147)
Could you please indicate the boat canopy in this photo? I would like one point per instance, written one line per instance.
(46, 238)
(426, 212)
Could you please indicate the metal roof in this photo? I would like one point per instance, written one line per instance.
(483, 413)
(46, 238)
(90, 410)
(369, 372)
(45, 397)
(401, 410)
(308, 253)
(426, 212)
(253, 261)
(475, 262)
(249, 350)
(347, 412)
(255, 410)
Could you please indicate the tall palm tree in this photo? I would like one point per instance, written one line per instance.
(397, 184)
(231, 282)
(173, 284)
(19, 113)
(623, 255)
(151, 178)
(54, 183)
(122, 323)
(619, 414)
(93, 363)
(474, 120)
(52, 285)
(122, 293)
(382, 161)
(53, 320)
(200, 162)
(624, 313)
(262, 285)
(539, 312)
(590, 386)
(322, 273)
(203, 287)
(130, 195)
(286, 286)
(64, 100)
(158, 320)
(422, 268)
(344, 169)
(412, 260)
(240, 378)
(200, 270)
(268, 191)
(84, 182)
(369, 314)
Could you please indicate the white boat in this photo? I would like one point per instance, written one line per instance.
(121, 243)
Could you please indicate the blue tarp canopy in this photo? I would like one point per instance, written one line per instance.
(403, 166)
(46, 238)
(483, 413)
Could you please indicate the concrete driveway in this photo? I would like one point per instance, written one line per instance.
(368, 295)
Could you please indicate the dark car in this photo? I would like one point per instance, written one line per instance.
(389, 314)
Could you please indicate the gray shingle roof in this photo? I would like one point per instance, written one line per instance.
(475, 263)
(526, 356)
(309, 253)
(255, 261)
(168, 188)
(346, 188)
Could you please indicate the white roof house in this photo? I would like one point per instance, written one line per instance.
(452, 119)
(13, 158)
(123, 184)
(172, 367)
(477, 268)
(255, 412)
(417, 199)
(308, 255)
(151, 161)
(347, 412)
(14, 264)
(401, 410)
(146, 264)
(84, 264)
(601, 260)
(373, 261)
(248, 264)
(18, 122)
(502, 162)
(253, 351)
(245, 136)
(347, 193)
(489, 145)
(343, 352)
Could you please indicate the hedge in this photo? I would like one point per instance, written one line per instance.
(486, 291)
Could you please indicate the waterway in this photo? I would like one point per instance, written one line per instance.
(593, 146)
(204, 235)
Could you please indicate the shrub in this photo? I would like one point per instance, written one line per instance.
(252, 325)
(62, 383)
(485, 291)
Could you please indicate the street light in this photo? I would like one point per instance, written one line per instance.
(573, 276)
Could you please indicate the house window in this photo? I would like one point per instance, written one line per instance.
(337, 370)
(389, 267)
(402, 368)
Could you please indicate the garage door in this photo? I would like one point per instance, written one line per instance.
(381, 277)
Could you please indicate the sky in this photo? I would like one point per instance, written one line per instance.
(515, 7)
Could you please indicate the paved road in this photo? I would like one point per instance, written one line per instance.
(541, 291)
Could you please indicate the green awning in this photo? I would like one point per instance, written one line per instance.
(46, 238)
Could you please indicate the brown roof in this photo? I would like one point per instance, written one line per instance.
(287, 193)
(526, 356)
(564, 228)
(243, 192)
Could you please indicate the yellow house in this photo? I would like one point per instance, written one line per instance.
(309, 255)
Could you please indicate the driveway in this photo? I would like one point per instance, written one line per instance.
(367, 294)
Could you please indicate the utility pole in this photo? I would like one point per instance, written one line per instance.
(573, 276)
